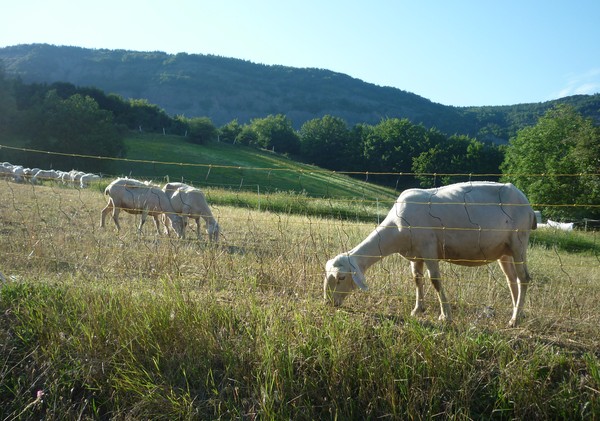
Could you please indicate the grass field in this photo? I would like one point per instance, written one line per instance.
(238, 168)
(104, 325)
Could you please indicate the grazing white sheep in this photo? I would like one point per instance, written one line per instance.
(469, 224)
(29, 174)
(18, 173)
(6, 170)
(171, 188)
(74, 177)
(190, 202)
(65, 177)
(88, 178)
(44, 175)
(136, 197)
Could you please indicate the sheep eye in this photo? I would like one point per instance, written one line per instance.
(341, 278)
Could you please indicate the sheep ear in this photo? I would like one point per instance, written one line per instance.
(359, 278)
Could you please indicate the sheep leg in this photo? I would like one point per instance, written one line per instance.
(107, 209)
(417, 272)
(436, 279)
(166, 221)
(184, 224)
(508, 267)
(156, 223)
(197, 219)
(524, 280)
(520, 274)
(142, 220)
(115, 216)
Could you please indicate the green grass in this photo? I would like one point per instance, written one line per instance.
(572, 241)
(238, 168)
(163, 355)
(125, 326)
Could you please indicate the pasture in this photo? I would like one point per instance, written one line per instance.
(98, 324)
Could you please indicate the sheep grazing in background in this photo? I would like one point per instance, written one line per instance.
(88, 178)
(18, 173)
(190, 202)
(44, 175)
(6, 170)
(136, 197)
(75, 177)
(468, 224)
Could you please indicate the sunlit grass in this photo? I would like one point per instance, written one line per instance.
(238, 167)
(128, 326)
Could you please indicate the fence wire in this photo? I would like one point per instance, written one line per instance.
(50, 232)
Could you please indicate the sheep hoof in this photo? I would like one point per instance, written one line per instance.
(445, 318)
(417, 311)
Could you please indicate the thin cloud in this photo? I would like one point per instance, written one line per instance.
(587, 83)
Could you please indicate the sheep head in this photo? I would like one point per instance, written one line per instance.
(177, 224)
(213, 231)
(342, 276)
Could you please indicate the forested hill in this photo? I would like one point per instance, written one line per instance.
(224, 89)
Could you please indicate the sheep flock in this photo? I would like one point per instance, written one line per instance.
(20, 174)
(470, 224)
(171, 205)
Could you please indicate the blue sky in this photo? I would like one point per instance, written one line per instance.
(459, 52)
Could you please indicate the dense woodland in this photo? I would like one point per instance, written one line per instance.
(63, 118)
(559, 140)
(224, 89)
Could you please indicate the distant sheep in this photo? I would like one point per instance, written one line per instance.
(468, 224)
(562, 226)
(18, 173)
(136, 197)
(86, 179)
(6, 170)
(44, 175)
(75, 177)
(190, 202)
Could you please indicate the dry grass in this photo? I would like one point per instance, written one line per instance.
(260, 293)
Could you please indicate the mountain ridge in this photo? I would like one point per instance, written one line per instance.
(225, 89)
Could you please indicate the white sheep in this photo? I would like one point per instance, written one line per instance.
(136, 197)
(88, 178)
(75, 177)
(6, 170)
(190, 202)
(468, 224)
(18, 173)
(44, 175)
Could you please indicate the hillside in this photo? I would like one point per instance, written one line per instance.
(236, 167)
(224, 89)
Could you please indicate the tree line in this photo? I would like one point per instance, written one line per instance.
(61, 117)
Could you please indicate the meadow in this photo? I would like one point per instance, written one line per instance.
(100, 324)
(237, 167)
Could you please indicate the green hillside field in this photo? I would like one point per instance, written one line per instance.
(247, 177)
(236, 167)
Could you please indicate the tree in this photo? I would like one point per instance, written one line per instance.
(201, 130)
(391, 146)
(455, 159)
(557, 163)
(145, 116)
(7, 104)
(229, 131)
(247, 136)
(326, 142)
(277, 132)
(75, 125)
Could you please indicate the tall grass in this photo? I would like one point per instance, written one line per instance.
(124, 326)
